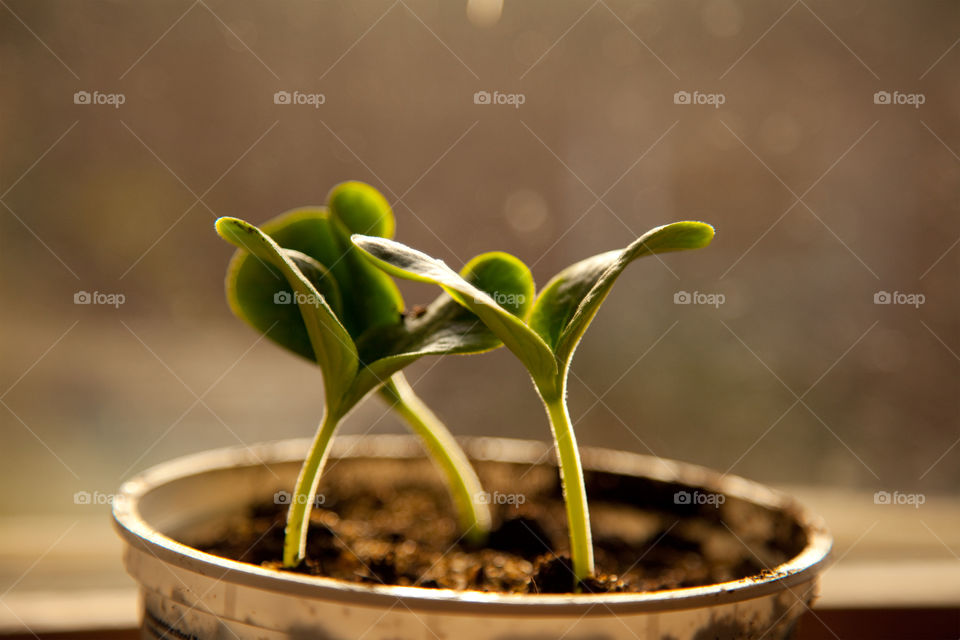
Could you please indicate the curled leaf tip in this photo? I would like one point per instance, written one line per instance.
(362, 209)
(706, 231)
(504, 278)
(693, 233)
(230, 228)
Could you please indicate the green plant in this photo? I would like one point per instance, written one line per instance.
(300, 281)
(545, 338)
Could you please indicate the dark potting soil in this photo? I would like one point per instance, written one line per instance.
(391, 522)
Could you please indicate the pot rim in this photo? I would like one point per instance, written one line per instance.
(138, 533)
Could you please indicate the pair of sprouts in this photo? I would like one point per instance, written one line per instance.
(319, 282)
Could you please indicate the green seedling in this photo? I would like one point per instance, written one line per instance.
(301, 282)
(545, 338)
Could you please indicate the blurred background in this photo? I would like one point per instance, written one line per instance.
(815, 343)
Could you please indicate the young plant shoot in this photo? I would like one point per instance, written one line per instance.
(545, 337)
(299, 280)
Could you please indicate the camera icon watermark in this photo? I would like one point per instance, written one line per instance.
(896, 498)
(299, 98)
(897, 297)
(109, 299)
(896, 97)
(699, 497)
(286, 498)
(496, 97)
(711, 299)
(698, 97)
(511, 499)
(98, 98)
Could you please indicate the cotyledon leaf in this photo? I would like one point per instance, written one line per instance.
(445, 326)
(253, 284)
(319, 277)
(370, 297)
(356, 207)
(268, 303)
(333, 347)
(402, 261)
(362, 209)
(569, 302)
(504, 278)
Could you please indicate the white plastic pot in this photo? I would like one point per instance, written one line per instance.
(190, 594)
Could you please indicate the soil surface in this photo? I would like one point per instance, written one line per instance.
(391, 522)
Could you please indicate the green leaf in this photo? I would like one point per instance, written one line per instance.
(252, 283)
(319, 277)
(569, 302)
(558, 300)
(504, 278)
(333, 348)
(445, 326)
(369, 297)
(362, 209)
(259, 294)
(308, 230)
(402, 261)
(374, 298)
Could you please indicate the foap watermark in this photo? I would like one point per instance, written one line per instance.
(496, 97)
(291, 297)
(898, 297)
(86, 497)
(896, 97)
(98, 297)
(698, 97)
(699, 497)
(299, 97)
(99, 98)
(506, 299)
(513, 499)
(287, 498)
(697, 297)
(912, 499)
